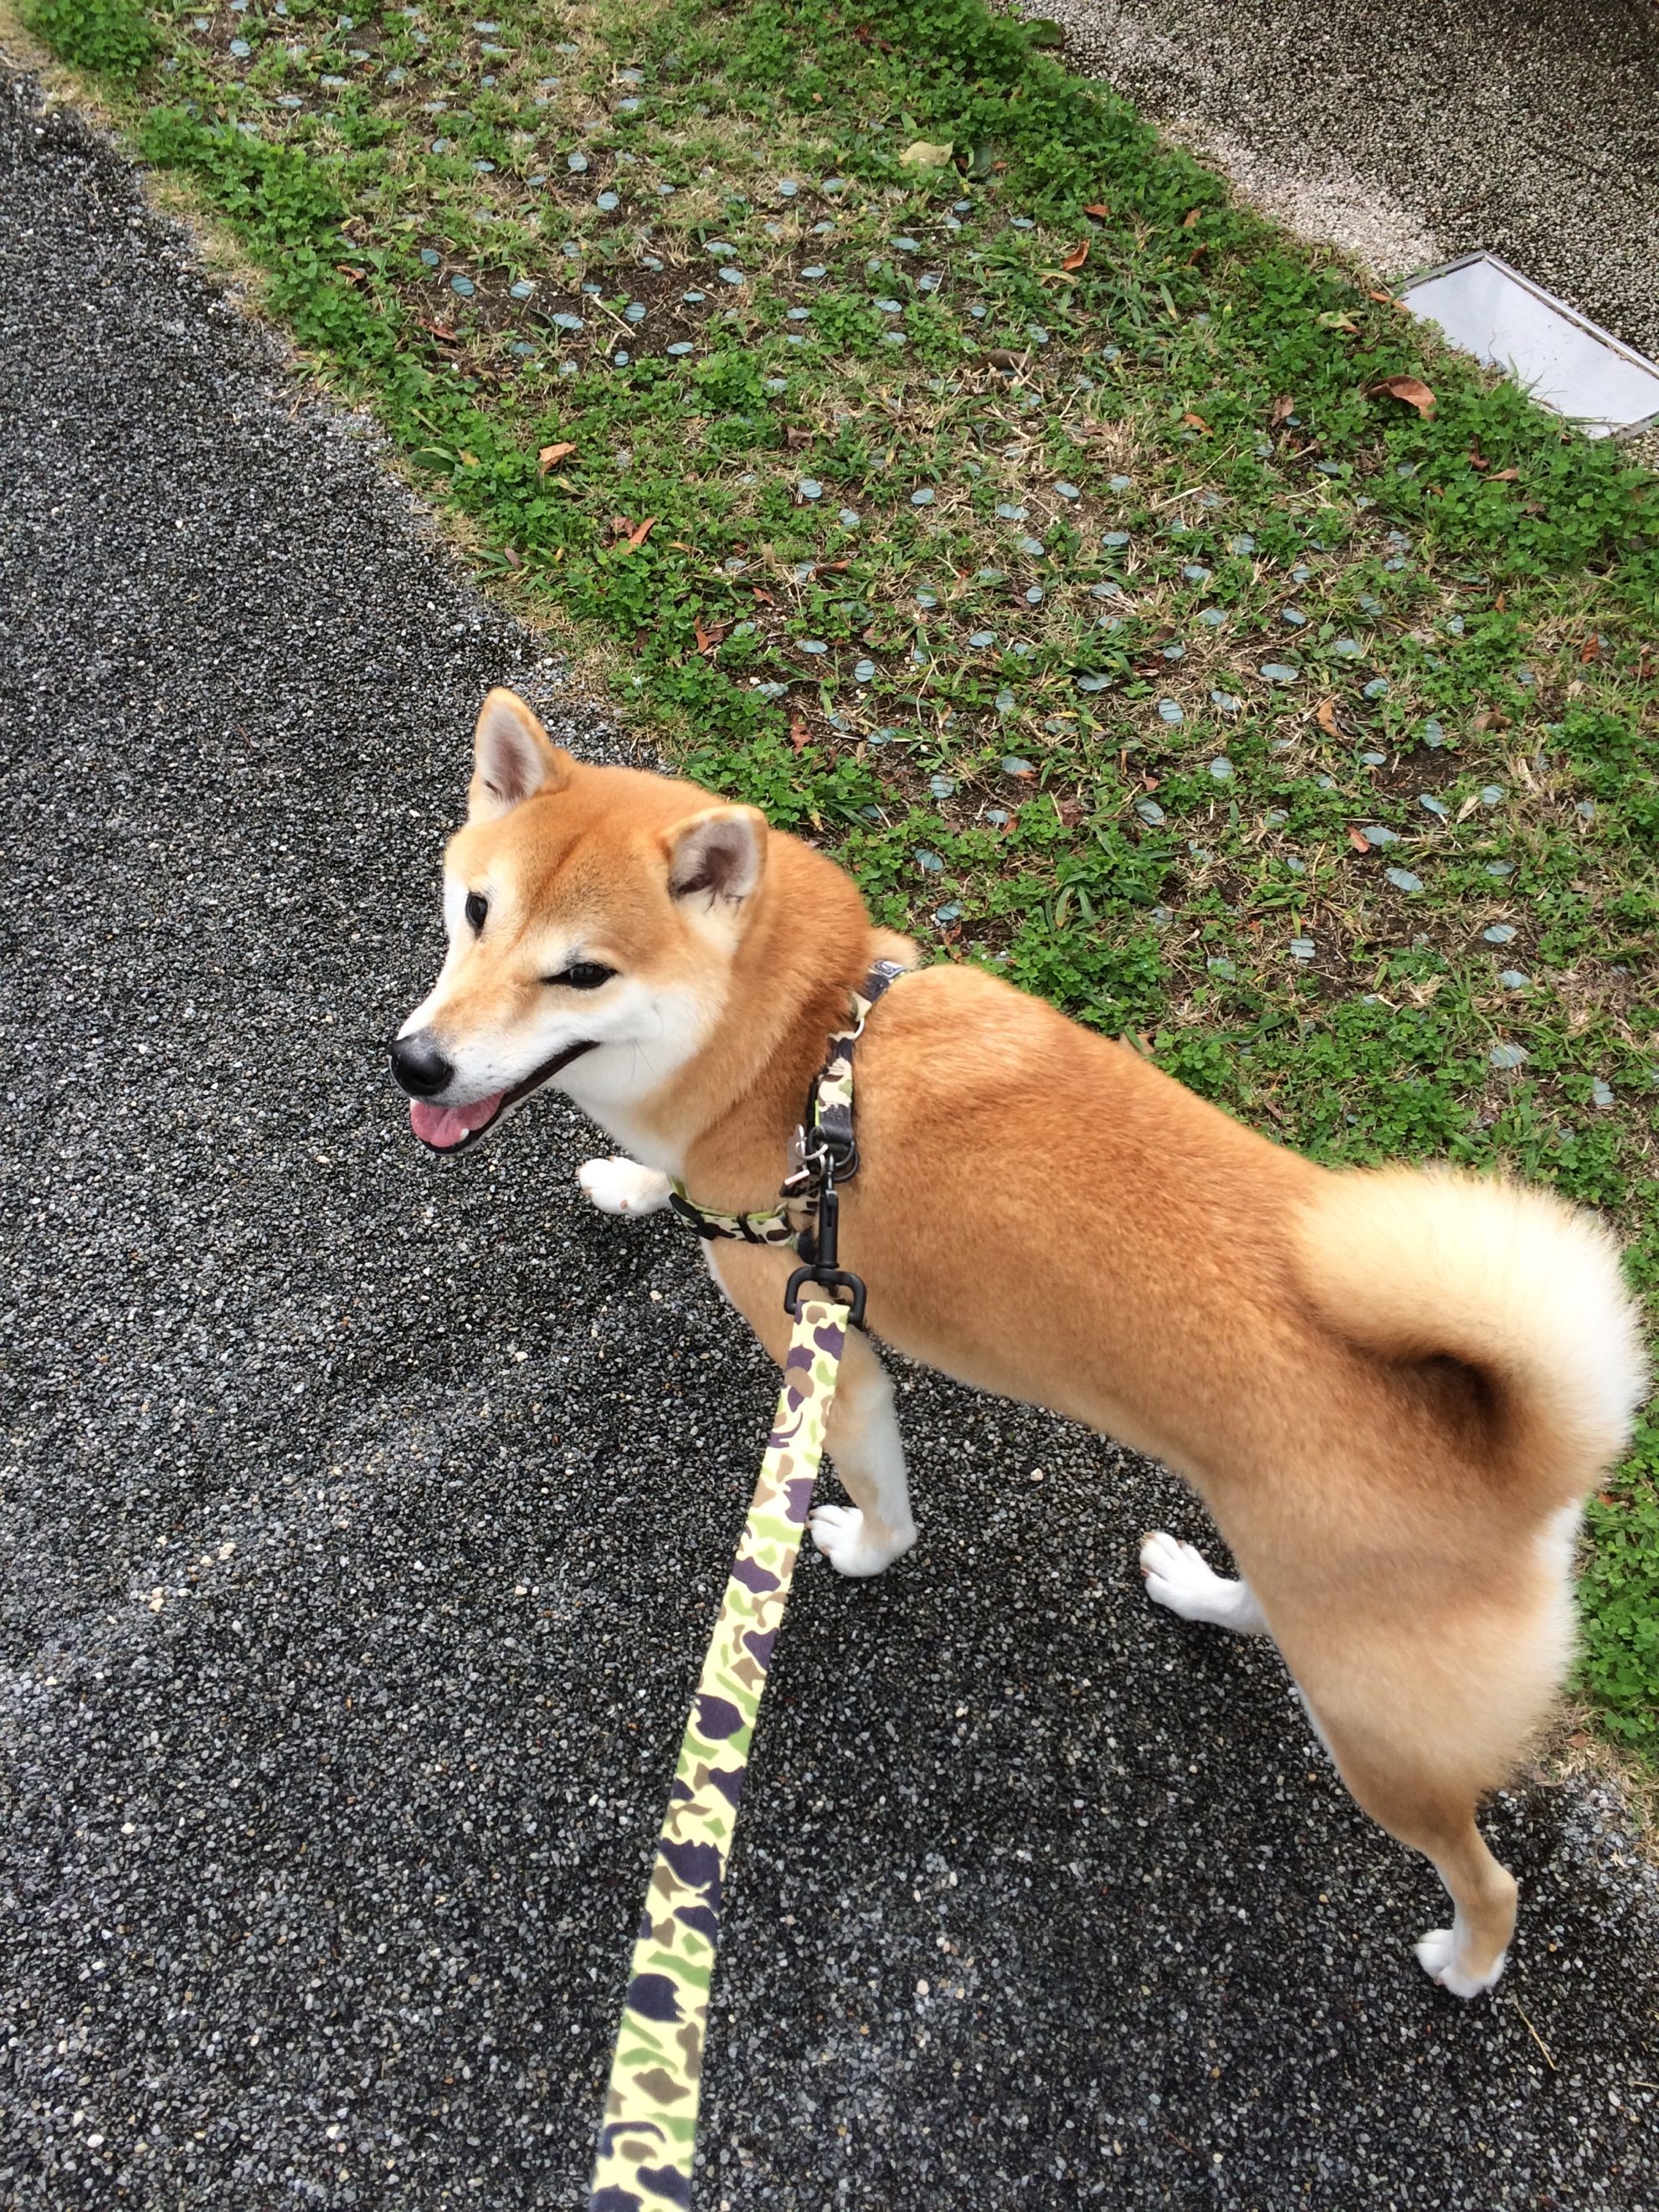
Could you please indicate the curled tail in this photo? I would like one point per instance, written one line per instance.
(1514, 1283)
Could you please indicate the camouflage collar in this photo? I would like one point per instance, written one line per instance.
(826, 1133)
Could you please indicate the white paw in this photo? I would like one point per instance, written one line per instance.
(620, 1186)
(838, 1531)
(1435, 1953)
(1181, 1577)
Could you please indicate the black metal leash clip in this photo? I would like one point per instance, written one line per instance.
(833, 1157)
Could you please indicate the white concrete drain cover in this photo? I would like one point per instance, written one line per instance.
(1565, 361)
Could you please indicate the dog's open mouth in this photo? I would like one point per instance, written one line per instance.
(452, 1129)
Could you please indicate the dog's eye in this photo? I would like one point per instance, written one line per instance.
(477, 906)
(585, 975)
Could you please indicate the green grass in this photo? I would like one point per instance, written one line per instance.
(1023, 522)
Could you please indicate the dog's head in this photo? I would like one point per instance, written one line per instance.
(593, 915)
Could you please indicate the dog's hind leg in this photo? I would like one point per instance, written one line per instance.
(863, 1436)
(1180, 1578)
(1435, 1816)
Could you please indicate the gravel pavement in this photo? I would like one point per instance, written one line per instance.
(363, 1515)
(1411, 134)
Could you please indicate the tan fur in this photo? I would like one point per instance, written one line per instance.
(1383, 1386)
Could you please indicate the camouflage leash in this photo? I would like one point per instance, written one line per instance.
(648, 2139)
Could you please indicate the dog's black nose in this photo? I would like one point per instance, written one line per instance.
(420, 1067)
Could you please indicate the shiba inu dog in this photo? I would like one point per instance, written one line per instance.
(1390, 1388)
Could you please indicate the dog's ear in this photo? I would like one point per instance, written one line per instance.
(718, 855)
(513, 758)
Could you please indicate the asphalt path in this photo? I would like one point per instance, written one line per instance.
(1408, 135)
(362, 1516)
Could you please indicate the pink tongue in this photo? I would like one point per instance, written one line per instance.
(446, 1127)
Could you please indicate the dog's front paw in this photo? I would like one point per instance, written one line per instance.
(1436, 1954)
(620, 1186)
(839, 1533)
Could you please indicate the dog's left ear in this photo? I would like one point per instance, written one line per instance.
(513, 758)
(718, 855)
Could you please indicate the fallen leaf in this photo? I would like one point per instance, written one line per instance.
(549, 455)
(1383, 299)
(1077, 257)
(1492, 717)
(1189, 220)
(799, 736)
(924, 155)
(1411, 390)
(633, 538)
(444, 336)
(1358, 840)
(1284, 408)
(1506, 475)
(352, 274)
(1196, 422)
(765, 598)
(708, 639)
(1099, 209)
(1328, 720)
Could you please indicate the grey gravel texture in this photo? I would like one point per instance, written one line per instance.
(362, 1516)
(1408, 135)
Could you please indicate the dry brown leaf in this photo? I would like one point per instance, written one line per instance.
(1189, 220)
(1099, 208)
(1506, 475)
(799, 736)
(1328, 720)
(1077, 257)
(1410, 390)
(1360, 840)
(1196, 422)
(549, 456)
(1284, 408)
(1383, 299)
(637, 535)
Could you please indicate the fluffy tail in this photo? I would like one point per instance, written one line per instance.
(1517, 1284)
